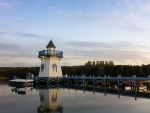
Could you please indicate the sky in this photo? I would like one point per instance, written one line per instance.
(85, 30)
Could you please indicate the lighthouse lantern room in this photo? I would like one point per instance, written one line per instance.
(50, 61)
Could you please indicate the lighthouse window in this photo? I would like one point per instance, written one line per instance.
(54, 66)
(42, 67)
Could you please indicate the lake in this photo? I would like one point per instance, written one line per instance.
(65, 100)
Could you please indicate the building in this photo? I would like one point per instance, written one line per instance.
(50, 61)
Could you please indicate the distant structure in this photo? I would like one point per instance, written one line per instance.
(50, 61)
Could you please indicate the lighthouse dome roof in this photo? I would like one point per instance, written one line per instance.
(50, 44)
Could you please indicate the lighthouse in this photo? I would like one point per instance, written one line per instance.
(50, 61)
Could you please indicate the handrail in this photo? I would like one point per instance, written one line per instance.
(49, 53)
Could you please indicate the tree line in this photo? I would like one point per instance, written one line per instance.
(101, 68)
(90, 68)
(20, 72)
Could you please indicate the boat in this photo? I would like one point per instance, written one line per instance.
(21, 81)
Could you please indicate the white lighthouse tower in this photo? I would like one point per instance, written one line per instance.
(50, 61)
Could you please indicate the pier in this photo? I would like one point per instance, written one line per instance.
(107, 81)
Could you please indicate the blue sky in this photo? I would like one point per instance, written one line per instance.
(85, 30)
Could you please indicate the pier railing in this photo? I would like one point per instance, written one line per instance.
(129, 85)
(121, 81)
(49, 53)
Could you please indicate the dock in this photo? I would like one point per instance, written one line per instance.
(119, 82)
(21, 81)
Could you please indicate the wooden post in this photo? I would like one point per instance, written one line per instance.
(58, 79)
(135, 84)
(47, 80)
(131, 85)
(63, 79)
(105, 80)
(84, 80)
(84, 88)
(105, 90)
(93, 80)
(118, 86)
(68, 79)
(118, 81)
(36, 80)
(76, 80)
(93, 90)
(75, 87)
(147, 86)
(68, 87)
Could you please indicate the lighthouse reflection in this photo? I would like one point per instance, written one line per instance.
(50, 101)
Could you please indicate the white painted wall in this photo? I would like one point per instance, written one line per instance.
(48, 69)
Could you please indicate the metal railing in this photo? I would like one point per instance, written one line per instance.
(49, 53)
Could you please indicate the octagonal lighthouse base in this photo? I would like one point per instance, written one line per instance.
(50, 67)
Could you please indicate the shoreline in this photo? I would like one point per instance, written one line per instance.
(3, 78)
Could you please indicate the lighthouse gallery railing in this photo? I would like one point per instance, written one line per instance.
(49, 53)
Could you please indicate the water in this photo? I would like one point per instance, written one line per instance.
(62, 100)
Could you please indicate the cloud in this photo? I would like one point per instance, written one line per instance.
(136, 28)
(21, 34)
(65, 64)
(6, 59)
(121, 61)
(96, 16)
(5, 5)
(77, 52)
(39, 8)
(144, 7)
(10, 49)
(60, 11)
(30, 35)
(20, 64)
(117, 51)
(50, 8)
(111, 17)
(131, 16)
(22, 45)
(1, 32)
(128, 2)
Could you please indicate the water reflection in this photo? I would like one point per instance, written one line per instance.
(50, 100)
(22, 90)
(70, 99)
(105, 90)
(53, 92)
